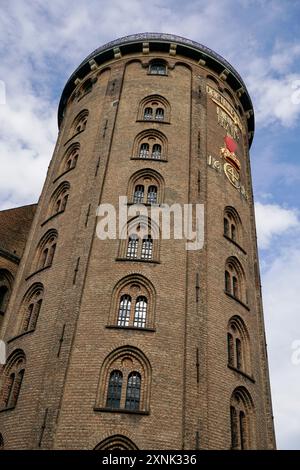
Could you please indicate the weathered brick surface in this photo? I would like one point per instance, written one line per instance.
(67, 386)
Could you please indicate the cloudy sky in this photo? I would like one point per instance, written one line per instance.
(43, 42)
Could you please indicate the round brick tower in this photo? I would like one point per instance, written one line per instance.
(139, 343)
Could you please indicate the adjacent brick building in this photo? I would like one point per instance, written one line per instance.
(140, 343)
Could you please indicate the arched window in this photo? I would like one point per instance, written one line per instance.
(150, 144)
(148, 114)
(70, 158)
(46, 250)
(133, 303)
(140, 312)
(132, 248)
(114, 389)
(12, 378)
(156, 151)
(31, 307)
(3, 295)
(152, 195)
(154, 108)
(125, 381)
(239, 354)
(86, 88)
(144, 150)
(124, 310)
(142, 242)
(235, 279)
(146, 187)
(59, 199)
(6, 283)
(133, 392)
(147, 247)
(80, 122)
(232, 225)
(138, 196)
(242, 420)
(158, 68)
(116, 442)
(159, 114)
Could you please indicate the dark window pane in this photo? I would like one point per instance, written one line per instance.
(133, 391)
(140, 312)
(114, 389)
(138, 194)
(124, 310)
(152, 195)
(147, 246)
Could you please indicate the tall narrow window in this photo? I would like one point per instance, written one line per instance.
(238, 346)
(140, 313)
(227, 282)
(132, 247)
(32, 317)
(235, 287)
(80, 121)
(152, 195)
(51, 254)
(147, 247)
(133, 391)
(144, 150)
(230, 349)
(44, 258)
(241, 412)
(13, 374)
(148, 113)
(124, 310)
(226, 227)
(233, 232)
(6, 283)
(9, 390)
(138, 194)
(234, 428)
(114, 389)
(243, 430)
(3, 295)
(46, 250)
(72, 158)
(235, 284)
(232, 225)
(156, 151)
(16, 388)
(240, 351)
(159, 114)
(31, 307)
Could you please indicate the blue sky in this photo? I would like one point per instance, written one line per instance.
(43, 42)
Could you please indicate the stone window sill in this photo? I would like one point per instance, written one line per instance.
(51, 217)
(235, 243)
(237, 300)
(134, 328)
(121, 410)
(249, 377)
(37, 272)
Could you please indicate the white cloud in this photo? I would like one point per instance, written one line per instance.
(281, 286)
(273, 221)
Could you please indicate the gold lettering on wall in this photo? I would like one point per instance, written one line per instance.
(226, 107)
(231, 174)
(227, 122)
